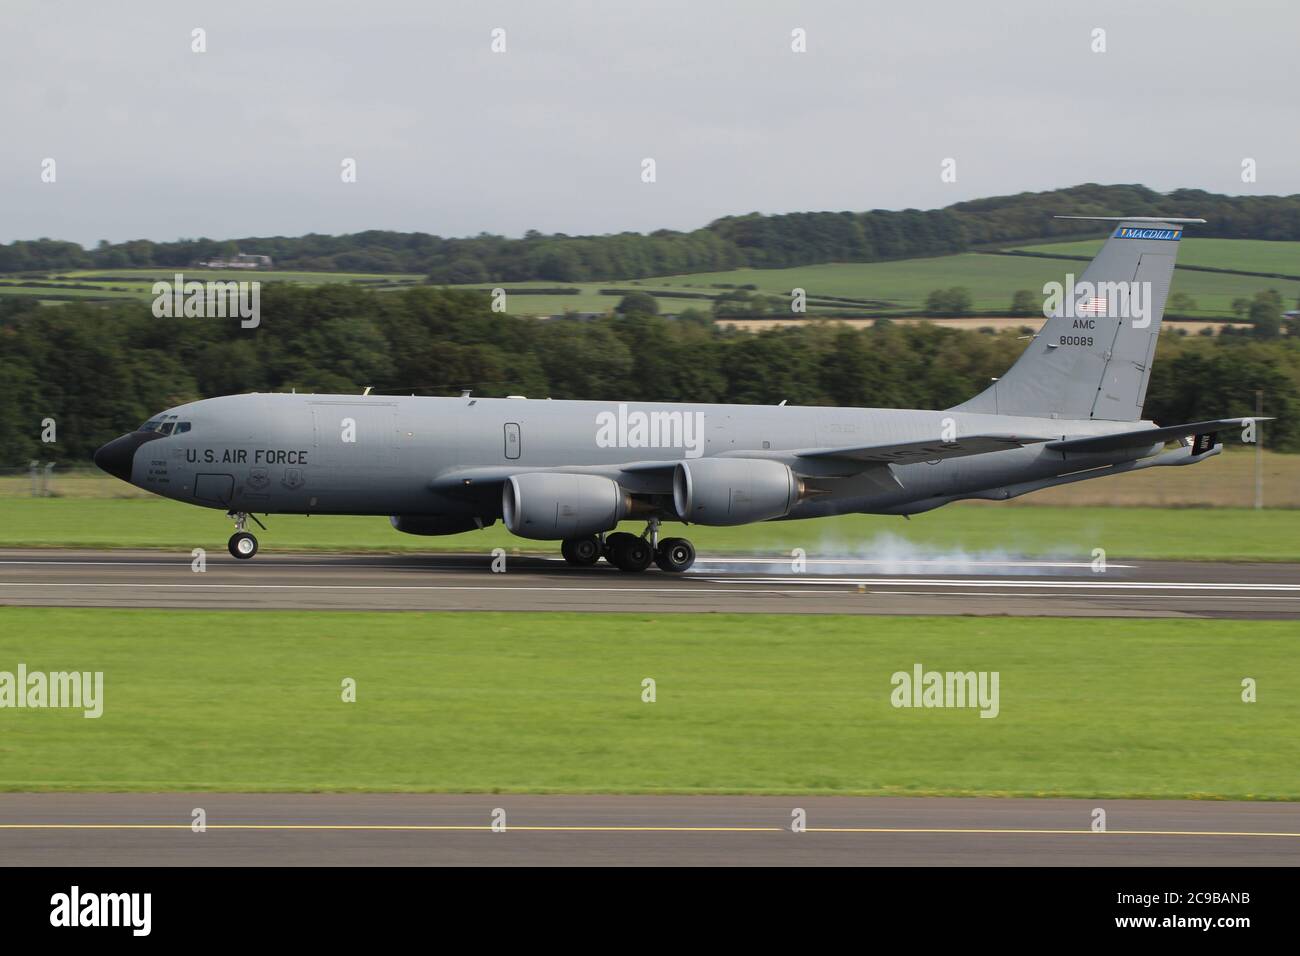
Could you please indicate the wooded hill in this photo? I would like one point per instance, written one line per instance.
(755, 240)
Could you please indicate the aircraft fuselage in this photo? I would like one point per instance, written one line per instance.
(381, 455)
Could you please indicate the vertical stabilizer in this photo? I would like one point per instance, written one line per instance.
(1092, 357)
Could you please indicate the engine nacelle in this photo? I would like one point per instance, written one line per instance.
(437, 524)
(550, 506)
(726, 491)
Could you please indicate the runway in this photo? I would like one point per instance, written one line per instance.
(59, 829)
(157, 579)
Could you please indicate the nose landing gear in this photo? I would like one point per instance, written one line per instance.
(243, 544)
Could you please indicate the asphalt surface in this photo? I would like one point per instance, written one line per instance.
(408, 829)
(60, 829)
(159, 579)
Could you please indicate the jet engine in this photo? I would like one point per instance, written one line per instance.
(437, 524)
(726, 491)
(549, 505)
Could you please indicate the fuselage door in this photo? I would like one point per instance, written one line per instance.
(514, 441)
(214, 489)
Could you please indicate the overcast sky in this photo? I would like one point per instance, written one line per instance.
(152, 140)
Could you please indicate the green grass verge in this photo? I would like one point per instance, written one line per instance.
(474, 702)
(1227, 534)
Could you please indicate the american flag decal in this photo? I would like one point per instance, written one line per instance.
(1093, 306)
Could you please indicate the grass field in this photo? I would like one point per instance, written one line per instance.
(138, 283)
(66, 292)
(957, 531)
(1248, 255)
(991, 279)
(478, 702)
(142, 279)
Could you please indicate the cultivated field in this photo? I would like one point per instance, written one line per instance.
(901, 285)
(1246, 255)
(998, 323)
(991, 279)
(137, 283)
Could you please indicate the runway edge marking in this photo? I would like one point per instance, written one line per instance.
(482, 827)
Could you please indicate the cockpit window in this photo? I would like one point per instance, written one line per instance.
(165, 426)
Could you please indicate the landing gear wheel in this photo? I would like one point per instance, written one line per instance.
(627, 552)
(581, 552)
(675, 555)
(242, 545)
(611, 541)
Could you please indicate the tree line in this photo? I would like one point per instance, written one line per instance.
(100, 370)
(753, 240)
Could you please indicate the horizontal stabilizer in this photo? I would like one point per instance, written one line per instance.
(1177, 222)
(1148, 436)
(908, 453)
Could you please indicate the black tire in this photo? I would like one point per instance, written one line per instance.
(581, 552)
(611, 542)
(630, 553)
(675, 555)
(242, 545)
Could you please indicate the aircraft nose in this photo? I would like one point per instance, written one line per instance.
(118, 456)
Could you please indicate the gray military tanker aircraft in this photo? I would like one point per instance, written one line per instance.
(1070, 409)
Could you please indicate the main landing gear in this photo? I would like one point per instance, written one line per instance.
(675, 555)
(630, 552)
(583, 552)
(242, 543)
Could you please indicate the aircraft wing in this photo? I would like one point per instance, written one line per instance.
(906, 453)
(647, 476)
(1148, 436)
(656, 476)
